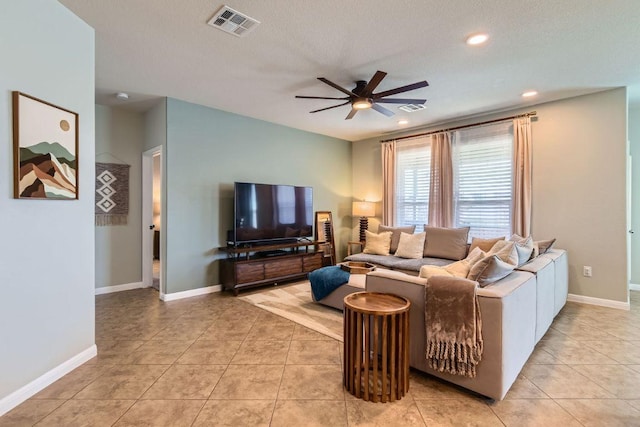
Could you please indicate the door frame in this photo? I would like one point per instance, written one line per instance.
(147, 218)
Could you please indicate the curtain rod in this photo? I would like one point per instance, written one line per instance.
(532, 113)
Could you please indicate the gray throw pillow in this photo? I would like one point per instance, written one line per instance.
(489, 270)
(448, 243)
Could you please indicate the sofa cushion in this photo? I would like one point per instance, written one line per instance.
(524, 247)
(397, 263)
(484, 244)
(448, 243)
(411, 245)
(395, 234)
(377, 244)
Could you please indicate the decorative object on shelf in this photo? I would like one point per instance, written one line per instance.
(325, 237)
(45, 150)
(363, 210)
(112, 194)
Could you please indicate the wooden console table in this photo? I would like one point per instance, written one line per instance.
(376, 346)
(247, 267)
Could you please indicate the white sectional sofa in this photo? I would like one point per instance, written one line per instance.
(516, 311)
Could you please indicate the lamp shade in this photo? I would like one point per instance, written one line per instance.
(364, 209)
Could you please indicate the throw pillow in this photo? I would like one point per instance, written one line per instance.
(545, 245)
(448, 243)
(377, 244)
(489, 270)
(459, 268)
(395, 237)
(427, 271)
(410, 245)
(506, 251)
(524, 248)
(484, 244)
(475, 255)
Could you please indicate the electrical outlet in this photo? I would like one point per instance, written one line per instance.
(586, 271)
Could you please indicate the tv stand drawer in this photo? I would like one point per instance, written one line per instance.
(249, 272)
(282, 267)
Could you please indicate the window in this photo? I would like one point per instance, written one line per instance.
(413, 163)
(482, 160)
(483, 171)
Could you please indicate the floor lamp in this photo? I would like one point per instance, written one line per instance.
(363, 210)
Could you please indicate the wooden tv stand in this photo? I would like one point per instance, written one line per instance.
(248, 267)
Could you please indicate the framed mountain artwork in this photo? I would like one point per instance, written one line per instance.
(45, 150)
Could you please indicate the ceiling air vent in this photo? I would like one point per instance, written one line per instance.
(411, 108)
(230, 21)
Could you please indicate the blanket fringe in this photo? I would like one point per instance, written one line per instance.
(106, 219)
(454, 357)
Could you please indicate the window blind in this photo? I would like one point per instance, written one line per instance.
(413, 162)
(483, 173)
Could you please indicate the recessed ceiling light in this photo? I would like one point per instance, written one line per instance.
(477, 39)
(529, 94)
(403, 122)
(122, 96)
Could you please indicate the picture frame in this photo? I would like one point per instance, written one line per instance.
(45, 149)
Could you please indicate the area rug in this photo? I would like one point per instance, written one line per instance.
(294, 302)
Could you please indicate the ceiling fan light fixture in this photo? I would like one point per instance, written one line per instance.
(362, 104)
(476, 39)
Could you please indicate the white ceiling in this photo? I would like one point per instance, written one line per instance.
(561, 48)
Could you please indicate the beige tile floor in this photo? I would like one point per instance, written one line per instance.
(216, 360)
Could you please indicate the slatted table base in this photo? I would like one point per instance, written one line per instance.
(376, 347)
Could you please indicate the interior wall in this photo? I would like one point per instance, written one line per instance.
(155, 135)
(119, 139)
(47, 246)
(579, 184)
(634, 145)
(207, 151)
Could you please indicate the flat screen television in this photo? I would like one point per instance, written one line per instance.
(266, 213)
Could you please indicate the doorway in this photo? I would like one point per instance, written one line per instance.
(152, 256)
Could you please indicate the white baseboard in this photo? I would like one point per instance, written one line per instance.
(634, 287)
(17, 397)
(599, 301)
(190, 293)
(119, 288)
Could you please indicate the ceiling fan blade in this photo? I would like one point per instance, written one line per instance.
(373, 83)
(400, 89)
(335, 86)
(401, 101)
(351, 114)
(381, 109)
(328, 108)
(319, 97)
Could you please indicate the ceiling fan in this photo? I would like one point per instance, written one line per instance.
(362, 97)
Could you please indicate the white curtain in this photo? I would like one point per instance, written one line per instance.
(441, 213)
(522, 186)
(388, 182)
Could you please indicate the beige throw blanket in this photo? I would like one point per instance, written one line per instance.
(453, 325)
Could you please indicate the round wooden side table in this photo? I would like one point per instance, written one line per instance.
(376, 346)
